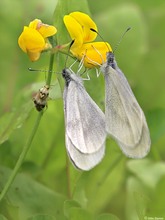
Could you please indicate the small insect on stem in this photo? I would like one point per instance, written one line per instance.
(40, 99)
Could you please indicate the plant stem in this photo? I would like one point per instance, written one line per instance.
(48, 81)
(68, 177)
(67, 160)
(21, 157)
(29, 141)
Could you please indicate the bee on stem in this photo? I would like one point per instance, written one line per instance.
(40, 99)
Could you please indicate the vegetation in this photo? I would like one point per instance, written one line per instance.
(47, 185)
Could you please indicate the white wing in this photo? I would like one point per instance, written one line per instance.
(85, 126)
(85, 122)
(142, 148)
(125, 120)
(83, 161)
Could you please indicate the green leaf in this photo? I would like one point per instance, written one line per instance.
(62, 37)
(156, 124)
(41, 217)
(148, 171)
(137, 199)
(112, 23)
(101, 183)
(31, 197)
(68, 204)
(107, 216)
(141, 202)
(9, 210)
(63, 8)
(79, 214)
(3, 217)
(80, 194)
(14, 120)
(72, 210)
(156, 206)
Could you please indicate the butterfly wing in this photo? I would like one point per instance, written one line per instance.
(141, 149)
(125, 120)
(84, 161)
(85, 125)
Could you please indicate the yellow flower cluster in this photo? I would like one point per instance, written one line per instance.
(80, 27)
(83, 31)
(33, 39)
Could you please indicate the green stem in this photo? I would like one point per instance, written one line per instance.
(50, 72)
(21, 157)
(68, 177)
(29, 141)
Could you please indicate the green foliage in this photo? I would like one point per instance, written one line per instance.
(107, 217)
(30, 197)
(118, 188)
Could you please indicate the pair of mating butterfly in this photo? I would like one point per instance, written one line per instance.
(87, 126)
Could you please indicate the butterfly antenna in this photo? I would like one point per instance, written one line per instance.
(121, 38)
(99, 36)
(36, 70)
(68, 52)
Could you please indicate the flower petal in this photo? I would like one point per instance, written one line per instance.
(33, 56)
(31, 40)
(21, 42)
(33, 24)
(94, 53)
(44, 29)
(75, 31)
(86, 24)
(47, 30)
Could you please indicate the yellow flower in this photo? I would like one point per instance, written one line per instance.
(33, 40)
(79, 26)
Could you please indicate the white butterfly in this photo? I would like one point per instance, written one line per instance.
(85, 133)
(125, 120)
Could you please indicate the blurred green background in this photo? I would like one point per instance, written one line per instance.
(118, 188)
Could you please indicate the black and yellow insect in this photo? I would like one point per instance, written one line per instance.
(40, 99)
